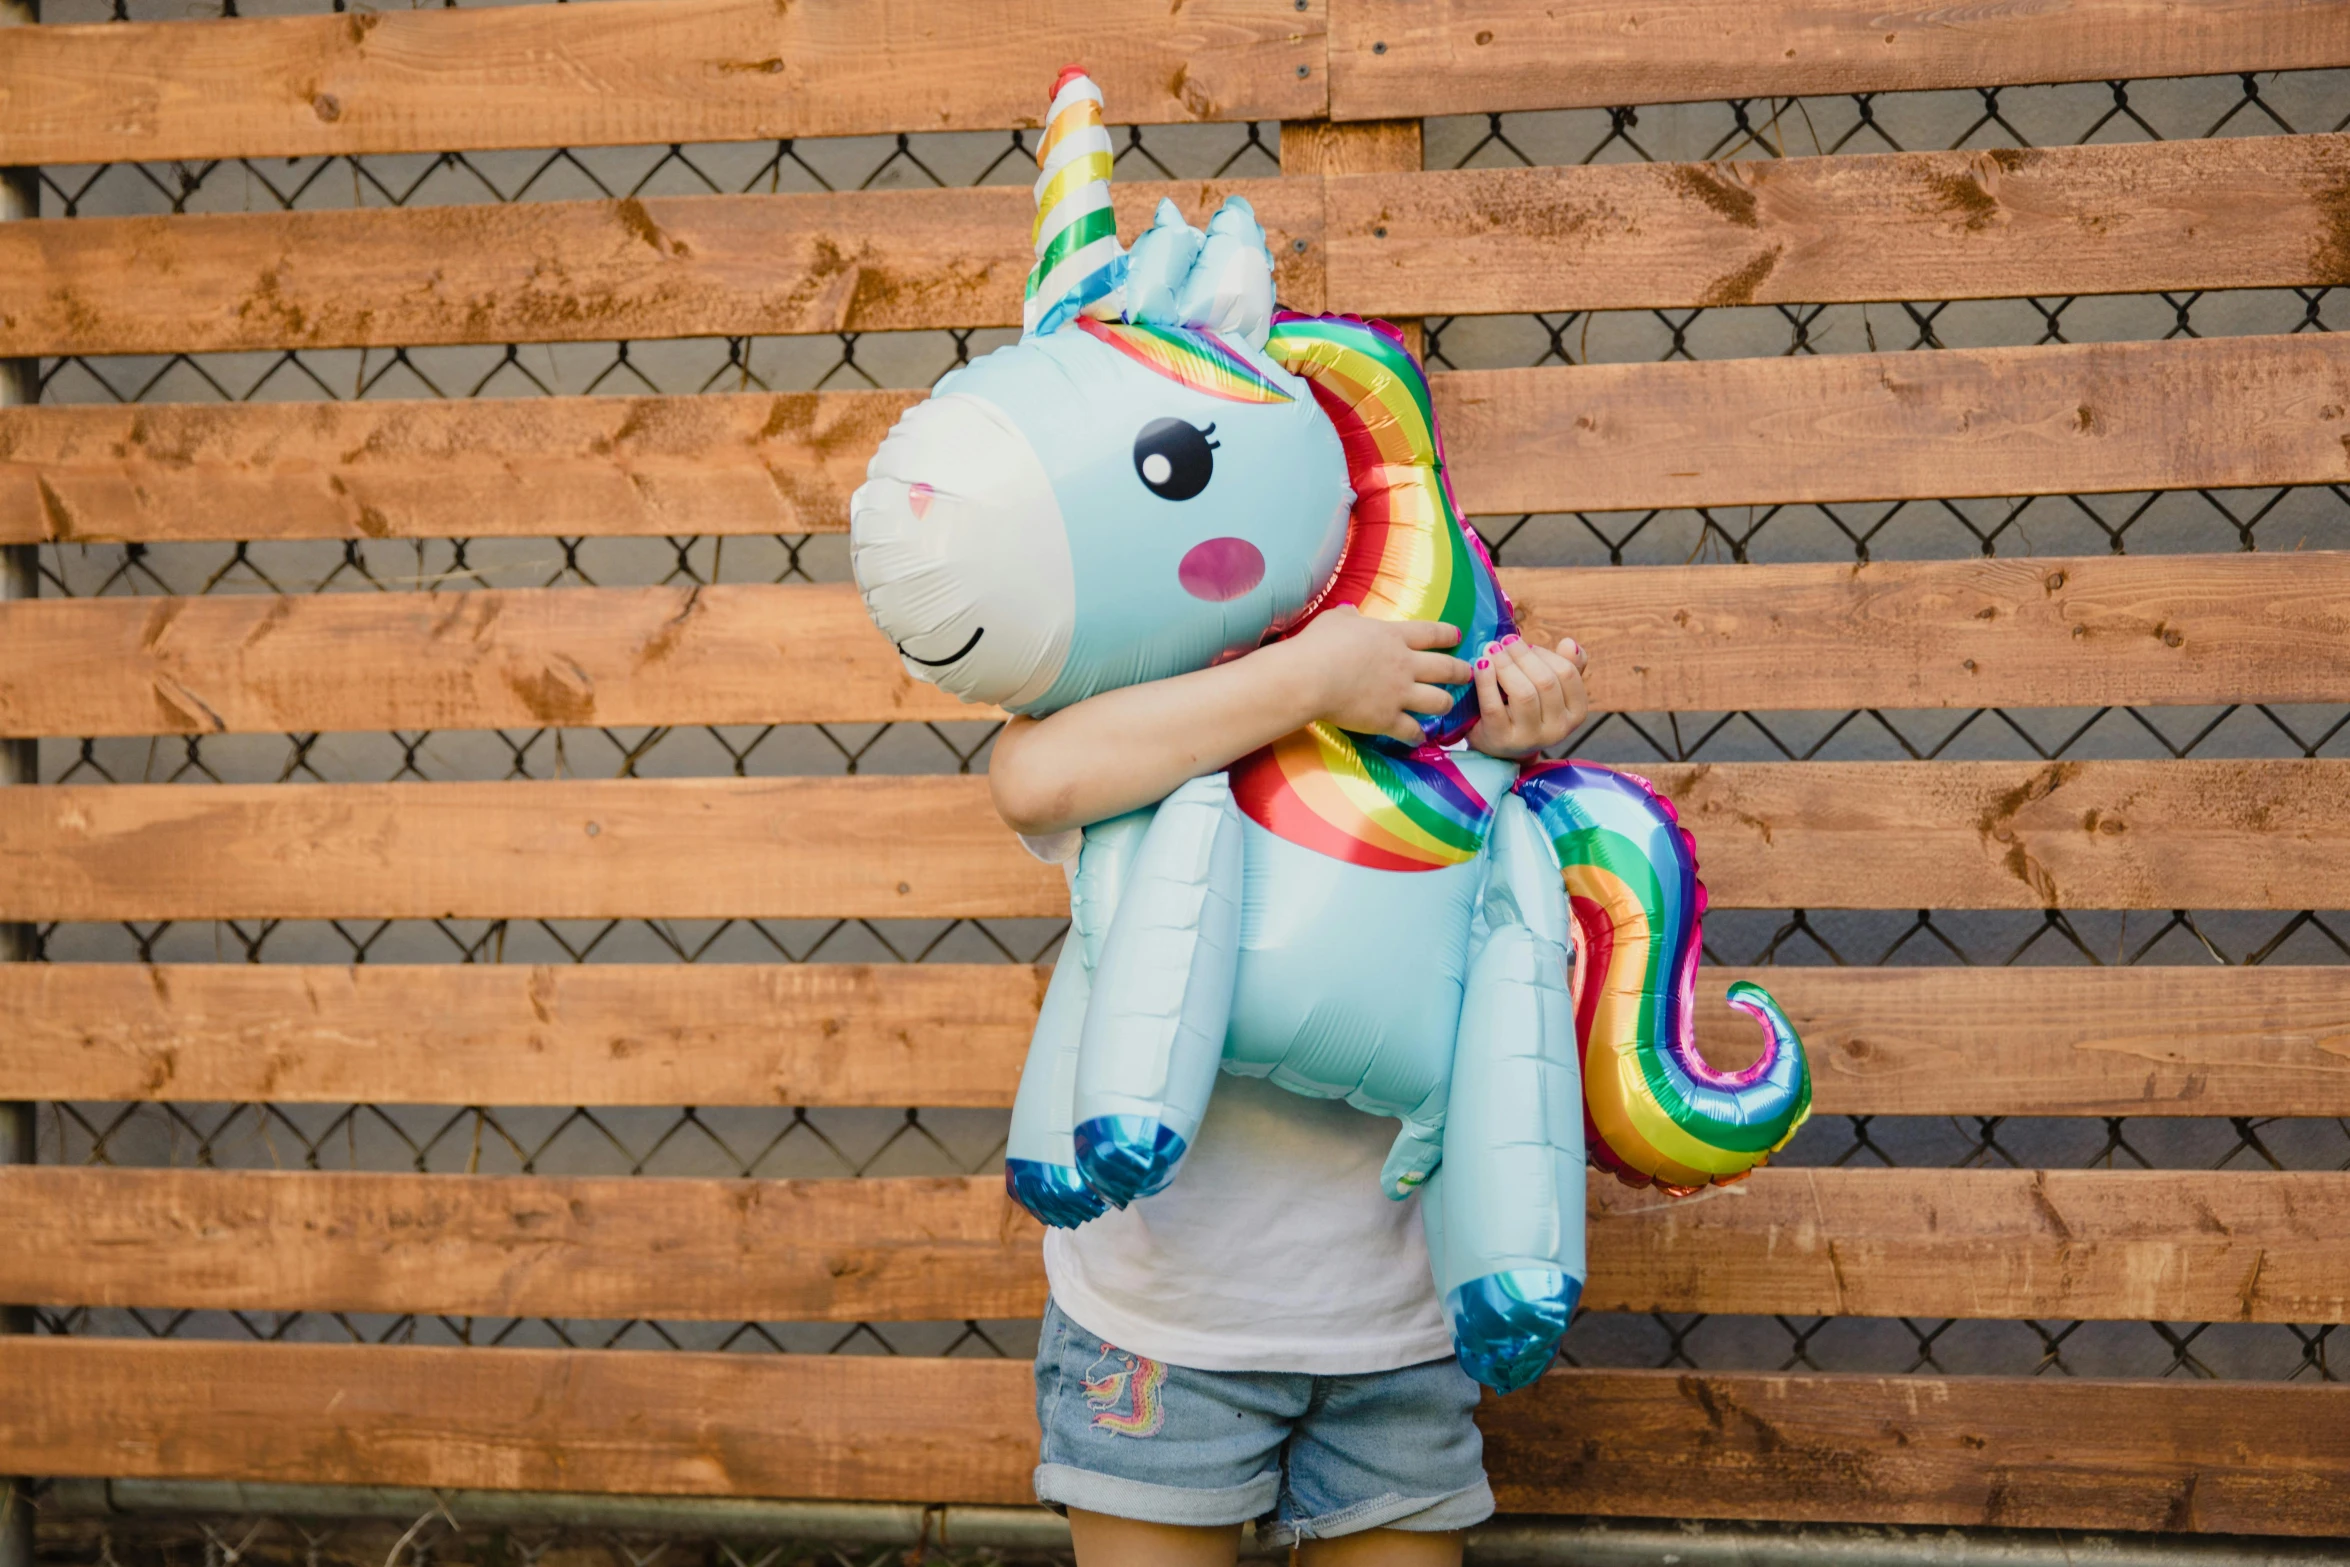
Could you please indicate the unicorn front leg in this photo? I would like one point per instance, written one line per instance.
(1505, 1213)
(1161, 1000)
(1040, 1154)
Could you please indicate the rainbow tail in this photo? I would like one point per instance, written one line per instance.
(1654, 1110)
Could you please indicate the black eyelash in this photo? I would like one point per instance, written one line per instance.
(1213, 446)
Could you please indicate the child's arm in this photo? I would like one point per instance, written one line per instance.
(1124, 749)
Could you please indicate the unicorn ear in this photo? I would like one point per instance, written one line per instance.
(1080, 266)
(1156, 267)
(1230, 288)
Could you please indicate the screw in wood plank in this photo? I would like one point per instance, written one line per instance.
(1378, 48)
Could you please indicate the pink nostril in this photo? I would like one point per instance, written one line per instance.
(1221, 569)
(918, 500)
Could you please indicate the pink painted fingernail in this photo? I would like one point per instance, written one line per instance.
(1512, 637)
(1485, 663)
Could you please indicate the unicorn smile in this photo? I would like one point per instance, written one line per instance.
(955, 657)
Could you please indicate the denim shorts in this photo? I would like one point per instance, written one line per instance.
(1308, 1457)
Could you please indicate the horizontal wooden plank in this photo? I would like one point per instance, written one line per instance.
(2254, 212)
(2176, 1246)
(568, 271)
(2085, 632)
(903, 1249)
(2050, 1452)
(569, 658)
(1904, 1041)
(590, 1034)
(782, 462)
(2232, 213)
(868, 1427)
(787, 848)
(2043, 1041)
(2140, 630)
(1483, 56)
(2059, 420)
(2135, 1245)
(2209, 413)
(634, 71)
(2183, 834)
(1592, 437)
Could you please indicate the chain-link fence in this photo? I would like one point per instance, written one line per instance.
(914, 1141)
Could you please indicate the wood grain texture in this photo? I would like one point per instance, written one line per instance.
(615, 1248)
(782, 462)
(2092, 631)
(2038, 1452)
(868, 1427)
(2048, 1041)
(2139, 1041)
(566, 658)
(2133, 835)
(2219, 413)
(2055, 420)
(590, 1034)
(568, 271)
(634, 72)
(2255, 212)
(2230, 213)
(1482, 56)
(2021, 1452)
(2136, 1245)
(787, 848)
(2092, 1244)
(2140, 630)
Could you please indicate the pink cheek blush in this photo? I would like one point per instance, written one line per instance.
(1221, 569)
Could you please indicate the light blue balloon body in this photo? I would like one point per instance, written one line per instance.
(1200, 940)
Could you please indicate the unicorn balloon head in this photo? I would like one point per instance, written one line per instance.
(1132, 490)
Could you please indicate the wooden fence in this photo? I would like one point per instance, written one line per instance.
(1357, 226)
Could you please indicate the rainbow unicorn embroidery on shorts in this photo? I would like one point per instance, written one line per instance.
(1126, 1398)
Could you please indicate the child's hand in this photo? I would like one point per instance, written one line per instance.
(1371, 676)
(1528, 697)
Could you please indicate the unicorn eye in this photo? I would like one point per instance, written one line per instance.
(1173, 459)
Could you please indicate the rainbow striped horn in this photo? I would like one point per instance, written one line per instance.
(1080, 266)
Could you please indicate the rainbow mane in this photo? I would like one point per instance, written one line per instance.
(1194, 356)
(1408, 556)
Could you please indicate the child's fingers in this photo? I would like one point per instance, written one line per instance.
(1573, 651)
(1440, 669)
(1489, 703)
(1407, 729)
(1427, 699)
(1548, 708)
(1429, 633)
(1517, 684)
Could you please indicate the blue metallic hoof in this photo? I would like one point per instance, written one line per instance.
(1506, 1326)
(1127, 1156)
(1055, 1193)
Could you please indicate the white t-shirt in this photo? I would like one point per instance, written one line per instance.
(1274, 1249)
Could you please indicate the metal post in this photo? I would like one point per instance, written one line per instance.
(20, 379)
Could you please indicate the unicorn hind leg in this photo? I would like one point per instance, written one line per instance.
(1657, 1110)
(1505, 1212)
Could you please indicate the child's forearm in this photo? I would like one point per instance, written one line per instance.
(1124, 749)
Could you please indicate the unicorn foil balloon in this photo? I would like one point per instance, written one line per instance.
(1164, 471)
